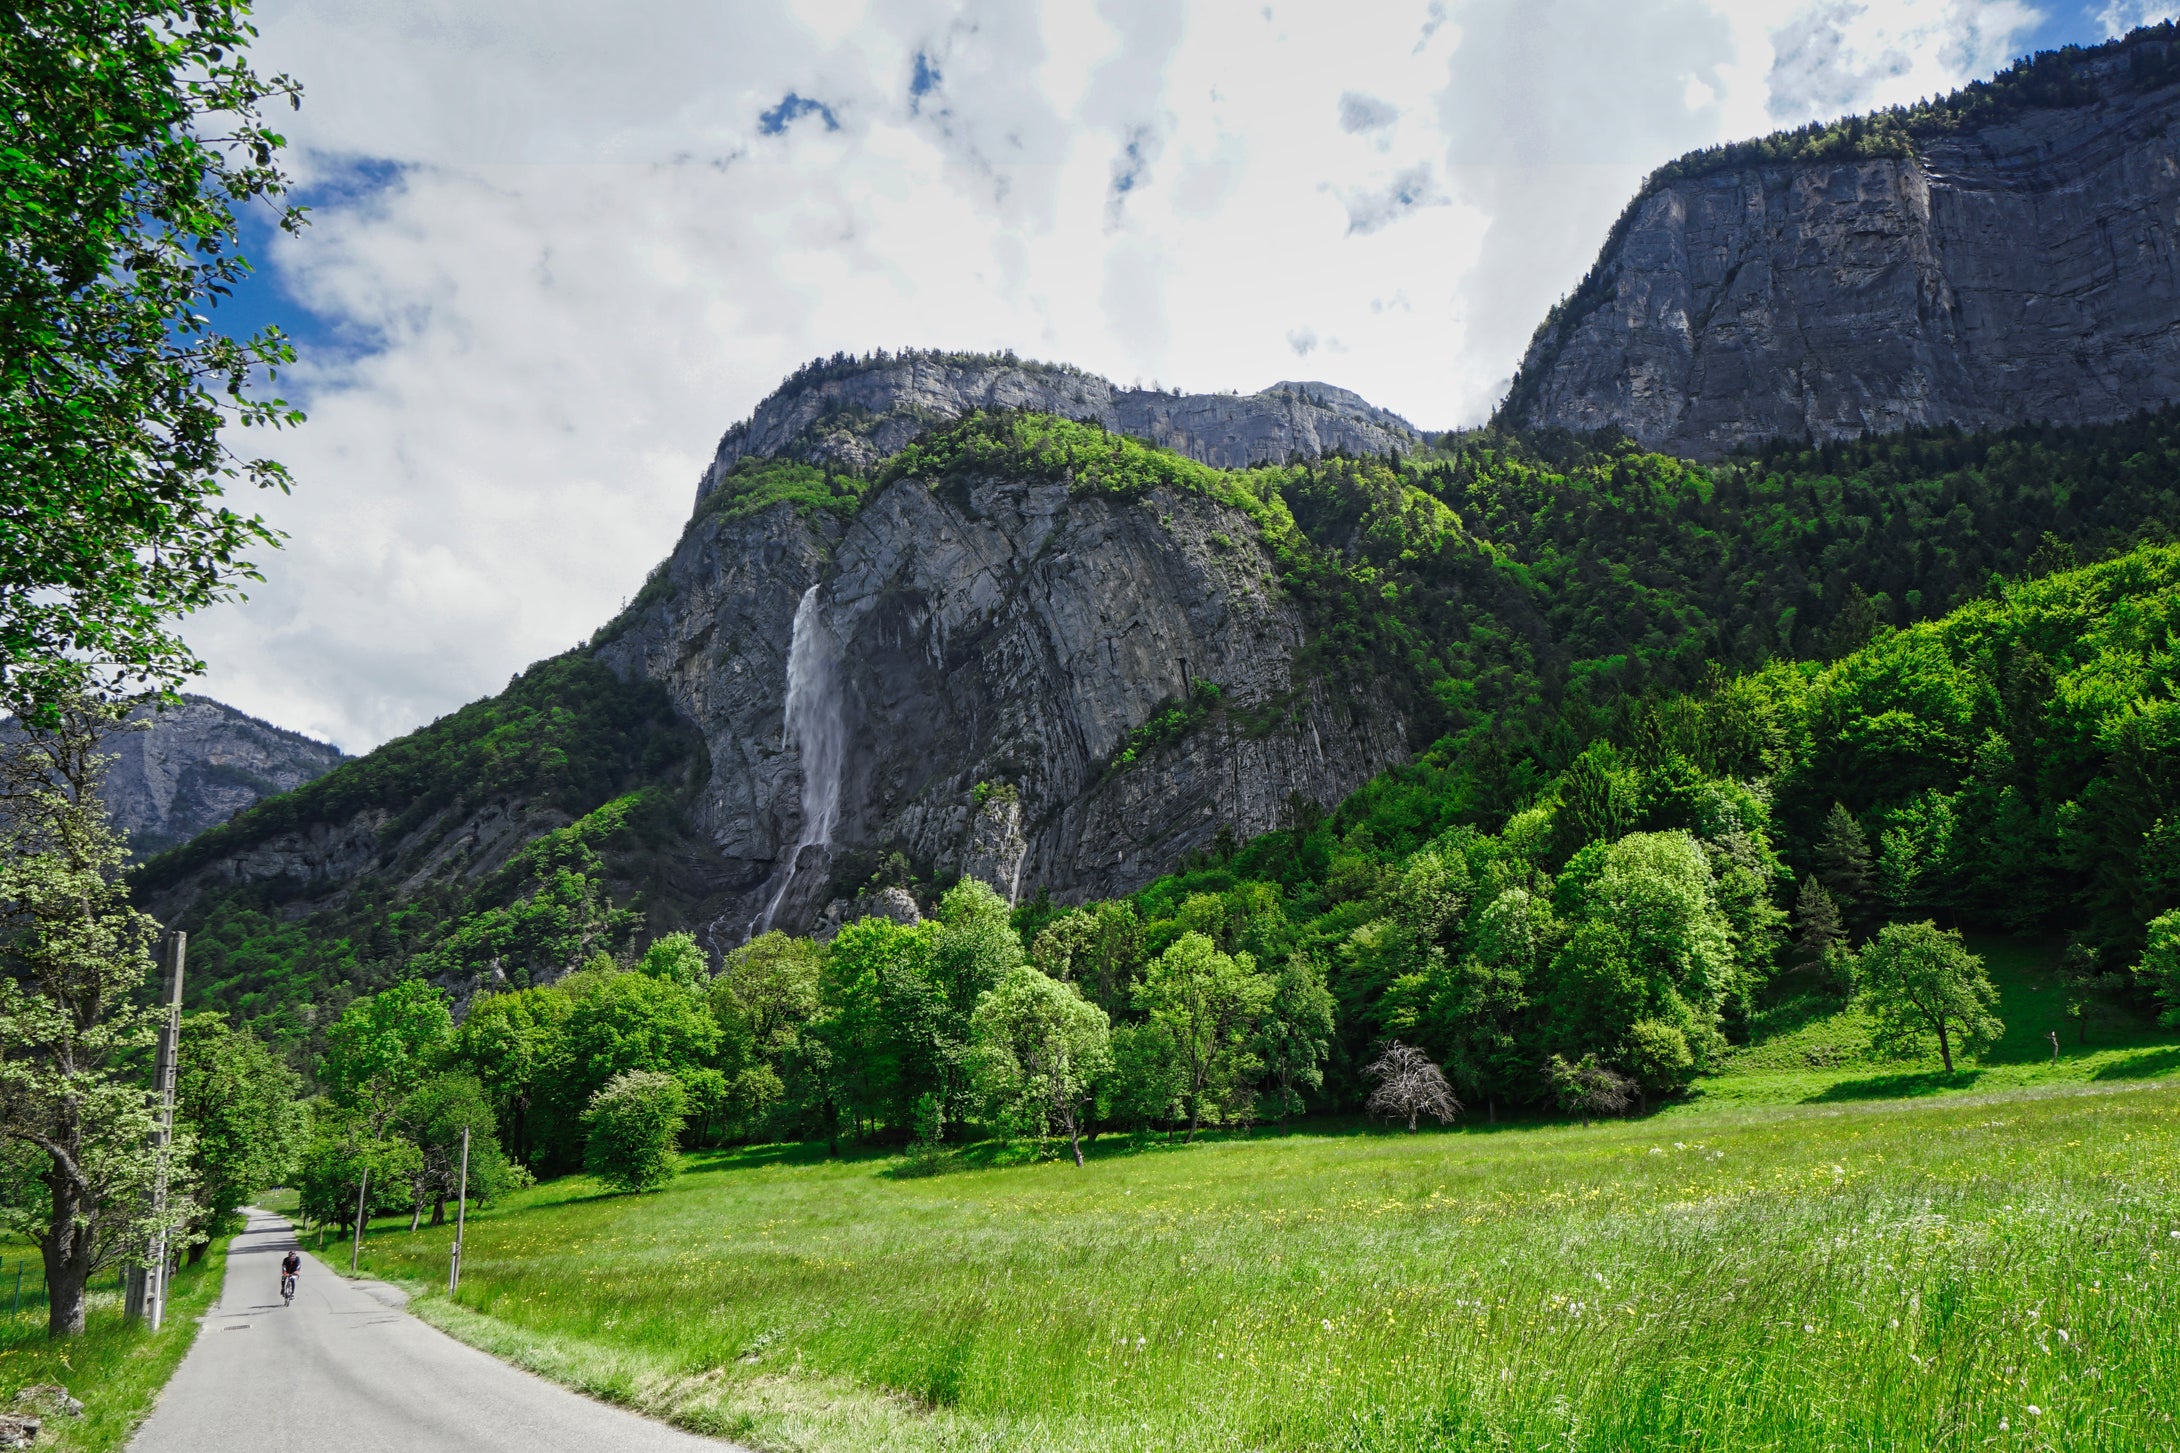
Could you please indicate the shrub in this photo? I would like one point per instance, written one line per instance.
(633, 1123)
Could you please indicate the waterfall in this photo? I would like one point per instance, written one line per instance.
(812, 725)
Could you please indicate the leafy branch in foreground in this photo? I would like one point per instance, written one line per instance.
(134, 132)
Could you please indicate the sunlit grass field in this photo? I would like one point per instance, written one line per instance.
(1966, 1269)
(115, 1368)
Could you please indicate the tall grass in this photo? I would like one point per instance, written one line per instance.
(116, 1368)
(1963, 1272)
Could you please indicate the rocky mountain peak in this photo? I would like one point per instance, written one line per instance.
(2010, 252)
(853, 412)
(197, 763)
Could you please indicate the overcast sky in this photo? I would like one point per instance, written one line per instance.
(557, 246)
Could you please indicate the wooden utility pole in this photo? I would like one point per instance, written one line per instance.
(355, 1249)
(147, 1294)
(461, 1219)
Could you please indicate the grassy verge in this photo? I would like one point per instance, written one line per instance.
(115, 1368)
(1818, 1055)
(1990, 1270)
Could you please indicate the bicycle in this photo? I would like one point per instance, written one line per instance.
(287, 1288)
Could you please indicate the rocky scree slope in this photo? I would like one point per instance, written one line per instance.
(2009, 253)
(852, 413)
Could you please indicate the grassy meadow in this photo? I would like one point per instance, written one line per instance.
(1970, 1267)
(115, 1368)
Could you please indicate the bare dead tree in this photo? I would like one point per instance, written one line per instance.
(1409, 1084)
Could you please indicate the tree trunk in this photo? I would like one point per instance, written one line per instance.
(416, 1215)
(197, 1249)
(1074, 1140)
(67, 1255)
(1945, 1047)
(439, 1211)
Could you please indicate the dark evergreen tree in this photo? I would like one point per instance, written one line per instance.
(1818, 929)
(1843, 866)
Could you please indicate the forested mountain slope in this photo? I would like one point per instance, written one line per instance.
(2011, 766)
(1512, 597)
(2010, 252)
(2008, 766)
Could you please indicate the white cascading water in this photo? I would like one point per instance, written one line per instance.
(813, 726)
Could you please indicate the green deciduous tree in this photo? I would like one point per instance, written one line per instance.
(1097, 948)
(2159, 969)
(1295, 1034)
(1208, 1004)
(432, 1119)
(677, 958)
(76, 1119)
(1650, 943)
(244, 1112)
(1037, 1048)
(1919, 982)
(631, 1126)
(345, 1156)
(764, 999)
(624, 1022)
(973, 948)
(515, 1044)
(385, 1045)
(1144, 1087)
(134, 133)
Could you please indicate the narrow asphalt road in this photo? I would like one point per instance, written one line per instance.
(345, 1370)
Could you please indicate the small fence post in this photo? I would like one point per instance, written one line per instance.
(461, 1220)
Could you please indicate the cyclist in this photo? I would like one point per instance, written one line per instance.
(289, 1266)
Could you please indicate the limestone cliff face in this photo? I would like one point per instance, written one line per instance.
(856, 413)
(2028, 269)
(198, 763)
(1013, 634)
(996, 677)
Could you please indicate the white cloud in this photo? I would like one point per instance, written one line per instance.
(2120, 16)
(1365, 113)
(576, 250)
(1839, 56)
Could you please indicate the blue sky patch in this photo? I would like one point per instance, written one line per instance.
(922, 82)
(793, 108)
(264, 299)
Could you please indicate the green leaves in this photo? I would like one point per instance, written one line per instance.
(135, 131)
(631, 1128)
(1036, 1050)
(1920, 983)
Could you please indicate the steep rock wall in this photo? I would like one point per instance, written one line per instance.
(2025, 270)
(198, 763)
(1013, 634)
